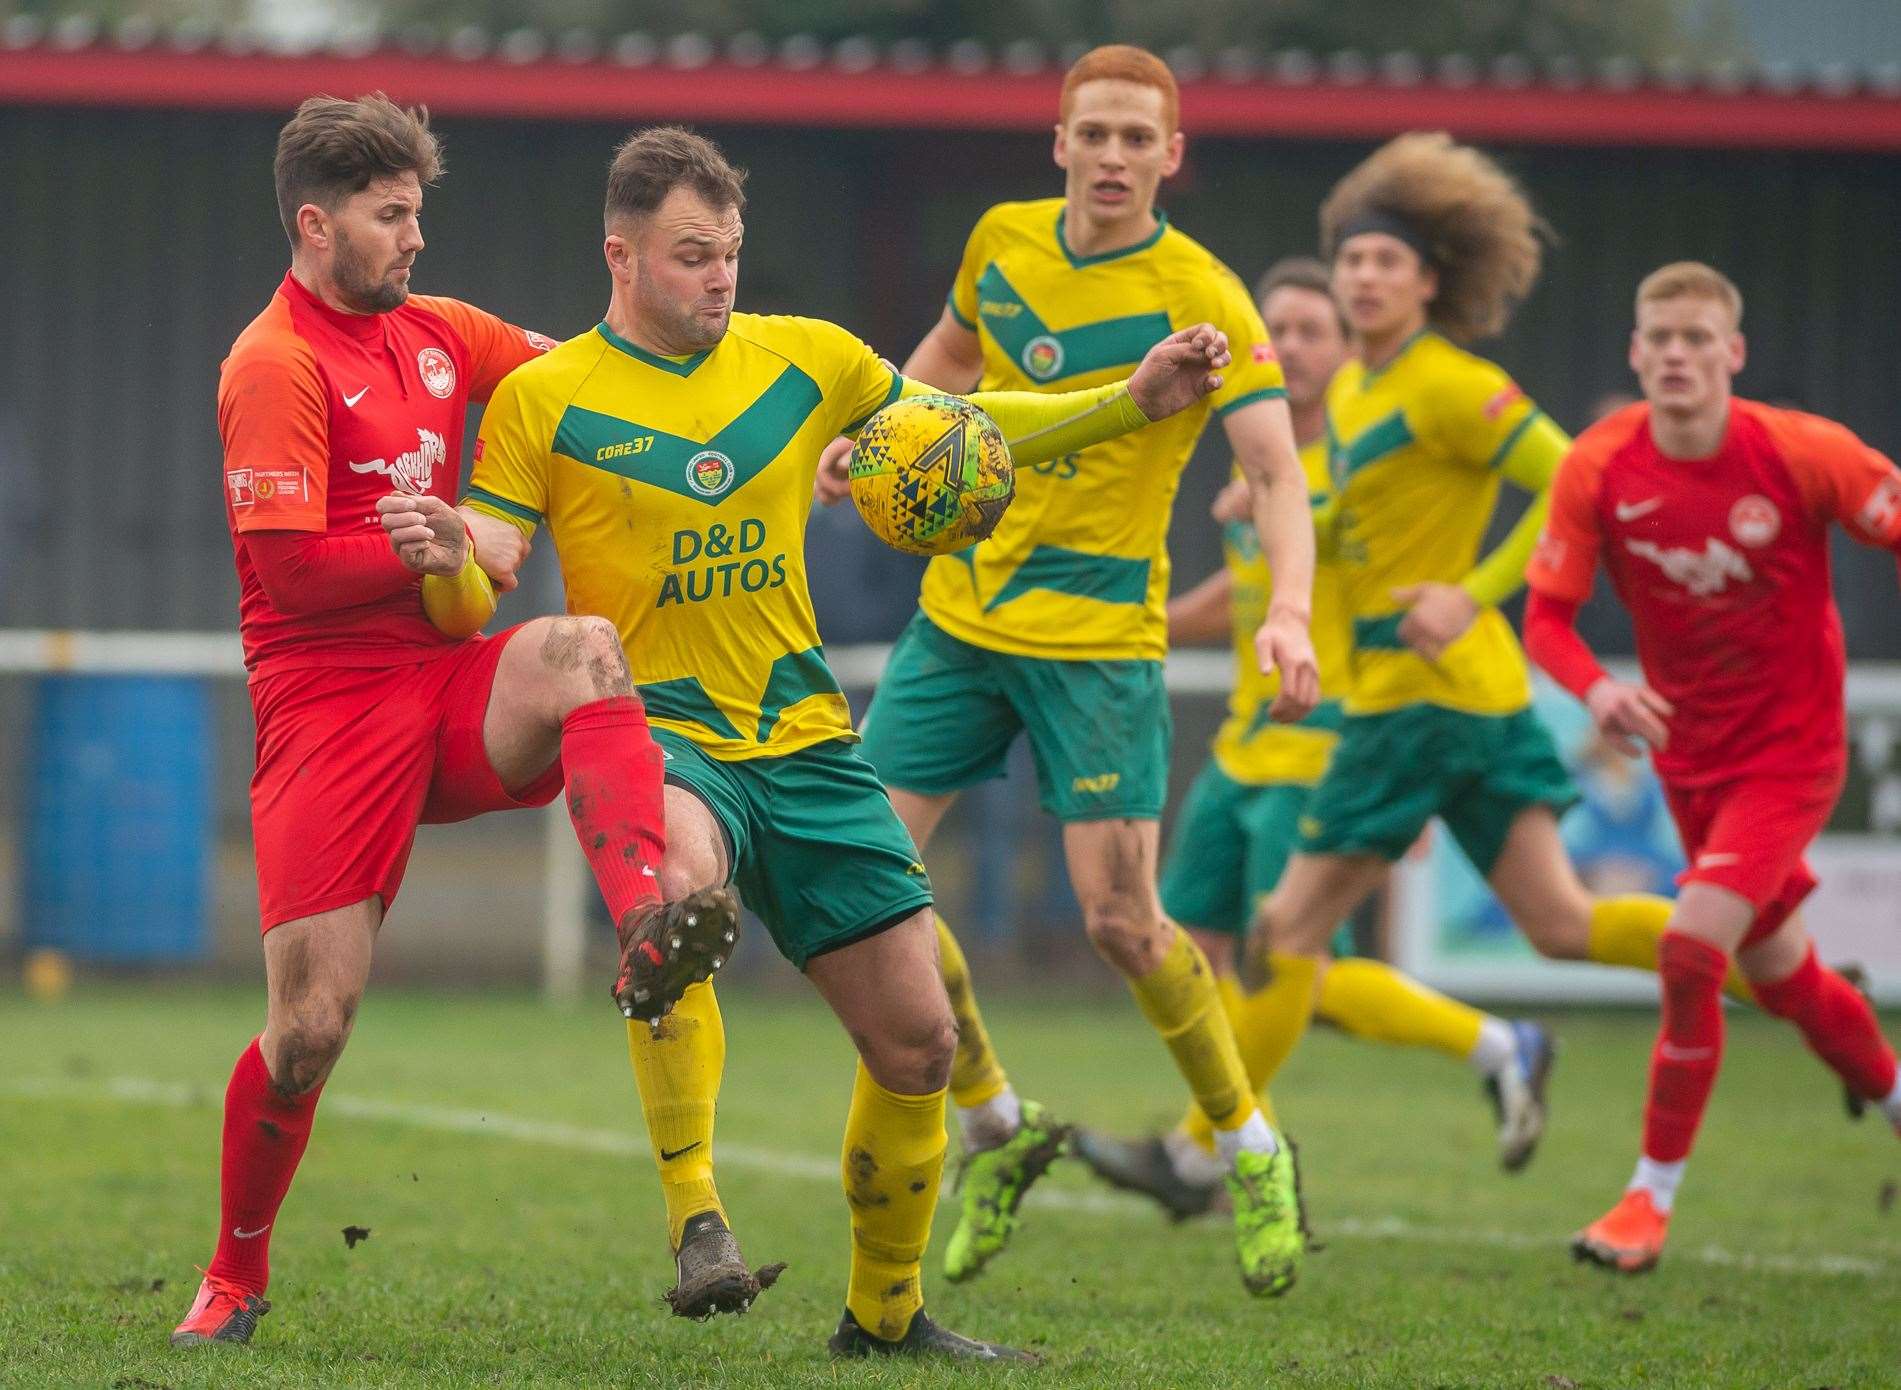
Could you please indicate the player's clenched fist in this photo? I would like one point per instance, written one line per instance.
(429, 534)
(500, 549)
(1180, 370)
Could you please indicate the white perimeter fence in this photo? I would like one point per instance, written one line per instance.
(1856, 913)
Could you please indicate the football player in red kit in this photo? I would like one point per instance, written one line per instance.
(1712, 515)
(345, 400)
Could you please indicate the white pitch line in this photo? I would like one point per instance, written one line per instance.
(449, 1120)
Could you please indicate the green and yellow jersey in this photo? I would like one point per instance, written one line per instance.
(1249, 746)
(1078, 568)
(1417, 449)
(677, 492)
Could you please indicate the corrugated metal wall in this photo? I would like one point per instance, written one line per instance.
(134, 246)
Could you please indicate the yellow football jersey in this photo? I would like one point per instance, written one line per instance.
(1078, 568)
(1417, 448)
(677, 492)
(1249, 746)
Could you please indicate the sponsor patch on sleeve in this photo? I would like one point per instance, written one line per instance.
(284, 488)
(1504, 400)
(1263, 353)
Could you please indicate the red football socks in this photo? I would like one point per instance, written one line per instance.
(613, 769)
(1838, 1024)
(264, 1136)
(1689, 1044)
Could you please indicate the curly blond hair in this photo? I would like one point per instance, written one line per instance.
(1481, 233)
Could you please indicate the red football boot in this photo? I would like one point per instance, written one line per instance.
(222, 1312)
(1628, 1238)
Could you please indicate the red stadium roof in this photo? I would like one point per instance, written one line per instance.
(905, 86)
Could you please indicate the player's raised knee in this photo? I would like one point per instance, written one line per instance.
(301, 1052)
(582, 656)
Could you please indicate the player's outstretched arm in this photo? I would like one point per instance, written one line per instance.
(1176, 373)
(431, 539)
(1262, 436)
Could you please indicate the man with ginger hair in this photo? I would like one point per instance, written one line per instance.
(1712, 515)
(1056, 626)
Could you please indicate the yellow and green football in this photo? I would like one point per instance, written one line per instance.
(931, 474)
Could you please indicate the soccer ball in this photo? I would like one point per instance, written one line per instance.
(931, 474)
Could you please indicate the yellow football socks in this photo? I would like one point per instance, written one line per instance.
(976, 1074)
(1196, 1125)
(1179, 999)
(1626, 930)
(678, 1074)
(894, 1156)
(1370, 999)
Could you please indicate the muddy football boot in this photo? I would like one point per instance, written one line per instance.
(922, 1338)
(1270, 1229)
(712, 1274)
(1144, 1166)
(664, 947)
(992, 1183)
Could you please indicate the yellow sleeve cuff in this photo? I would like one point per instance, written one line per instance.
(1040, 426)
(461, 604)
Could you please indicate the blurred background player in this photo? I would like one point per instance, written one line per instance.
(672, 452)
(1240, 820)
(1711, 514)
(370, 719)
(1433, 245)
(1055, 626)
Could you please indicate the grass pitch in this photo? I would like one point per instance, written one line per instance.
(494, 1150)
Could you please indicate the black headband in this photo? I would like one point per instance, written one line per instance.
(1387, 224)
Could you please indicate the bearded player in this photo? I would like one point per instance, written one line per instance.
(672, 453)
(1240, 821)
(1712, 515)
(370, 719)
(1055, 626)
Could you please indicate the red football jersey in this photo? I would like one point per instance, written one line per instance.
(1723, 564)
(322, 413)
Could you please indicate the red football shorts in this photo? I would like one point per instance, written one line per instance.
(1751, 836)
(349, 762)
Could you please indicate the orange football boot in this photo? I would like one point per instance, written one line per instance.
(222, 1312)
(1629, 1238)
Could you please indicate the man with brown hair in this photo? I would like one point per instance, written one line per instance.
(1712, 515)
(1055, 626)
(672, 452)
(343, 399)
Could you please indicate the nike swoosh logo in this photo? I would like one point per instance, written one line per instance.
(668, 1155)
(352, 400)
(1670, 1052)
(1630, 511)
(243, 1234)
(1711, 861)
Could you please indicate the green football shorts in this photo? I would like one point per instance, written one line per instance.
(815, 848)
(945, 713)
(1228, 847)
(1393, 772)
